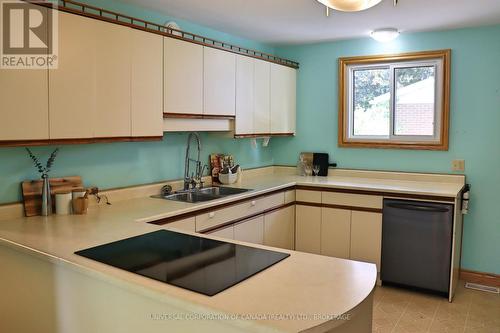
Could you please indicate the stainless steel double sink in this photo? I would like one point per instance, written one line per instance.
(203, 194)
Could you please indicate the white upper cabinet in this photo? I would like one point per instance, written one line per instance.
(72, 85)
(113, 59)
(183, 77)
(24, 106)
(252, 96)
(244, 122)
(262, 103)
(219, 81)
(283, 99)
(147, 84)
(90, 91)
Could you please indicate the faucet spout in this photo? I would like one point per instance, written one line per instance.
(188, 180)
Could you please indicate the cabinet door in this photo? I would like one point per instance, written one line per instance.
(244, 122)
(251, 231)
(185, 224)
(113, 59)
(72, 86)
(283, 95)
(279, 228)
(183, 77)
(24, 105)
(335, 232)
(262, 103)
(366, 237)
(308, 229)
(224, 233)
(219, 82)
(146, 84)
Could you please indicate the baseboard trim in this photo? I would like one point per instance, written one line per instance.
(488, 279)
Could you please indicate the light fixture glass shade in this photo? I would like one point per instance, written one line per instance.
(385, 35)
(350, 5)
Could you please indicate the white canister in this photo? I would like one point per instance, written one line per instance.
(63, 203)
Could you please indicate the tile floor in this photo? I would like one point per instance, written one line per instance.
(402, 311)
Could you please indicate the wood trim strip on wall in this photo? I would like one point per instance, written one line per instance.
(25, 143)
(488, 279)
(102, 14)
(378, 193)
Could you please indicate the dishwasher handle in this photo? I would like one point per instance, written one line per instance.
(417, 207)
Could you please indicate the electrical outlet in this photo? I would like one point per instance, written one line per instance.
(458, 165)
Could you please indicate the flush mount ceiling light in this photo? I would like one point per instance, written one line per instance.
(349, 5)
(385, 35)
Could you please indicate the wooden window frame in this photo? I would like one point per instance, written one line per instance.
(343, 127)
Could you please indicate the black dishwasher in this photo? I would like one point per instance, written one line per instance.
(416, 244)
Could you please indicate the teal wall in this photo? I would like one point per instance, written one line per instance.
(475, 123)
(475, 134)
(123, 164)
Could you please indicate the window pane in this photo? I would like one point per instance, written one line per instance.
(414, 111)
(371, 102)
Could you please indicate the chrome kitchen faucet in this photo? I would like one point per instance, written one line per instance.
(194, 179)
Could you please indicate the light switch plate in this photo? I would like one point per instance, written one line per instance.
(458, 165)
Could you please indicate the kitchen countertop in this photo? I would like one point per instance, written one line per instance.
(301, 284)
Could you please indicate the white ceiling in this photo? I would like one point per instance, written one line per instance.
(304, 21)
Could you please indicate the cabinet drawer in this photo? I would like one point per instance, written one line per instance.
(308, 196)
(250, 207)
(185, 224)
(354, 200)
(289, 196)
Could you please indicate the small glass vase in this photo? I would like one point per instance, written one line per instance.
(46, 198)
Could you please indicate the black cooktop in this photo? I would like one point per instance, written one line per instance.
(198, 264)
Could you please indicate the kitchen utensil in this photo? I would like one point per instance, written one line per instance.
(81, 204)
(228, 178)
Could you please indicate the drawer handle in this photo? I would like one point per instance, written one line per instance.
(211, 215)
(253, 203)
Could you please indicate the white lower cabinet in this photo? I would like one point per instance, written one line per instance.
(366, 237)
(251, 231)
(279, 228)
(335, 232)
(227, 232)
(308, 229)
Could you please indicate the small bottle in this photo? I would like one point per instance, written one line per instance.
(301, 166)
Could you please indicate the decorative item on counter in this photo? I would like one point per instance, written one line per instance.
(44, 173)
(63, 202)
(217, 163)
(95, 192)
(81, 204)
(32, 192)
